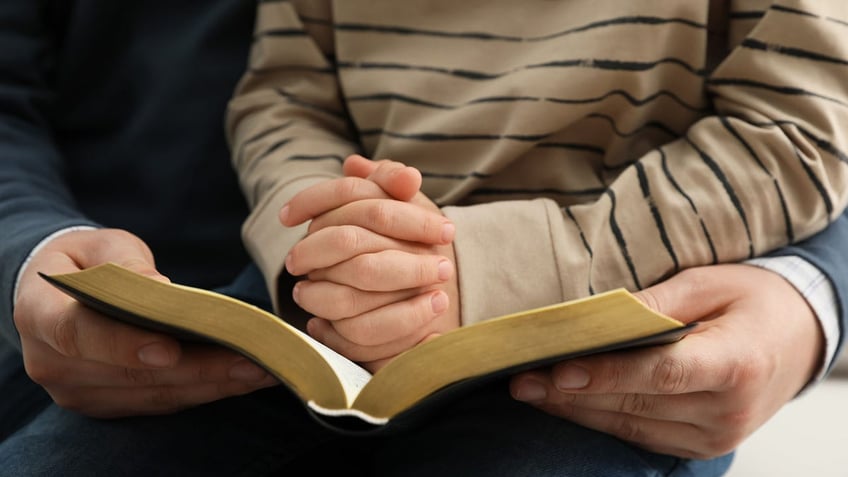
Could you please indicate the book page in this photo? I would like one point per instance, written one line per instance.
(352, 376)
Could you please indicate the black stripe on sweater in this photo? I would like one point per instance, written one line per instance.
(296, 101)
(728, 189)
(592, 63)
(753, 44)
(644, 184)
(261, 135)
(657, 125)
(795, 11)
(317, 157)
(529, 99)
(619, 238)
(486, 36)
(828, 204)
(319, 70)
(574, 146)
(747, 15)
(457, 177)
(281, 32)
(785, 90)
(444, 137)
(585, 245)
(592, 192)
(790, 233)
(670, 177)
(822, 144)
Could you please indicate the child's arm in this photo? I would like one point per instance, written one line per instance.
(286, 121)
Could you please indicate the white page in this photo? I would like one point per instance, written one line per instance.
(352, 376)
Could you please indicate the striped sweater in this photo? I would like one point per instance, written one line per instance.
(577, 145)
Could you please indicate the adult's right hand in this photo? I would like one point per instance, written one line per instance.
(104, 368)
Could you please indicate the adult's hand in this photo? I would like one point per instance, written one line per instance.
(101, 367)
(758, 345)
(378, 260)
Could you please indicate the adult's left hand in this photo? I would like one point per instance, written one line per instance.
(758, 345)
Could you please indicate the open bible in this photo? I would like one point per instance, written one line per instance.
(341, 393)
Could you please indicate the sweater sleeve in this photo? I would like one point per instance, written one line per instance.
(768, 168)
(287, 125)
(34, 198)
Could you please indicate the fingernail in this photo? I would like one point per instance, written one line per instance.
(288, 263)
(448, 231)
(284, 214)
(571, 377)
(445, 270)
(156, 355)
(296, 293)
(531, 391)
(245, 370)
(439, 302)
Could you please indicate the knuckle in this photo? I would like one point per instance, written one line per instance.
(715, 442)
(348, 188)
(628, 430)
(379, 217)
(354, 303)
(671, 376)
(431, 226)
(64, 334)
(636, 404)
(359, 331)
(346, 238)
(42, 374)
(420, 313)
(207, 374)
(367, 269)
(564, 409)
(649, 298)
(748, 372)
(695, 280)
(163, 398)
(139, 377)
(425, 272)
(722, 443)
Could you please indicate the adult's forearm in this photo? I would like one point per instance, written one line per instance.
(34, 200)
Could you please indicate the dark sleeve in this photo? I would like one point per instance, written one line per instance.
(828, 251)
(34, 197)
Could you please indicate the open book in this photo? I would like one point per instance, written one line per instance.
(337, 389)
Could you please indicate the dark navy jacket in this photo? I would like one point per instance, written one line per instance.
(111, 114)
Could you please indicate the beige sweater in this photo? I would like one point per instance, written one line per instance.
(577, 145)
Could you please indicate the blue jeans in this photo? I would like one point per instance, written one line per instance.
(268, 432)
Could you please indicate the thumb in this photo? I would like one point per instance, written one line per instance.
(687, 296)
(122, 248)
(358, 166)
(399, 181)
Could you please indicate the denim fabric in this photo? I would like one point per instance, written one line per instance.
(484, 433)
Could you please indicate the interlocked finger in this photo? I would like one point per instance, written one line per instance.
(390, 270)
(332, 301)
(333, 245)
